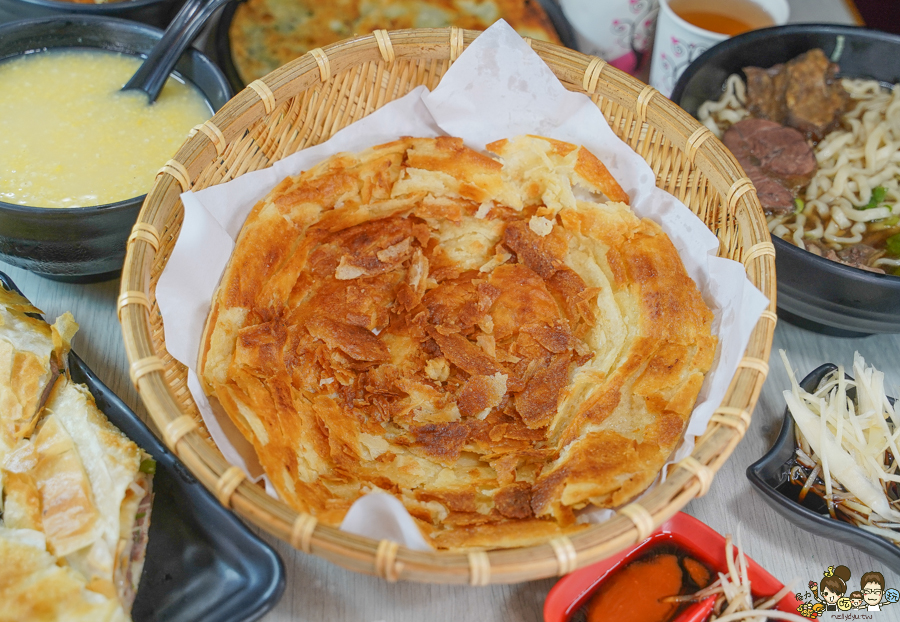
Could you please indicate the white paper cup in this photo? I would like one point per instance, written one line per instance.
(618, 31)
(678, 43)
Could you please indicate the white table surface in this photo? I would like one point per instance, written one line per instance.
(319, 591)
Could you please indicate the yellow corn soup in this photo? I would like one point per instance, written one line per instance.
(70, 138)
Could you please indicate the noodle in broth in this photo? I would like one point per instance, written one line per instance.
(856, 162)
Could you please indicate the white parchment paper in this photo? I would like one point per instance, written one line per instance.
(498, 88)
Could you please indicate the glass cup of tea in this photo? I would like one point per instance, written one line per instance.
(687, 28)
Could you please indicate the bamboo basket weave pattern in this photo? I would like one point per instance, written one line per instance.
(304, 103)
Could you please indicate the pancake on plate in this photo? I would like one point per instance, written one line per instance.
(76, 493)
(266, 34)
(496, 341)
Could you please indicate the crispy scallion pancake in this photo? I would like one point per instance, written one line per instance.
(67, 475)
(461, 331)
(30, 355)
(266, 34)
(34, 588)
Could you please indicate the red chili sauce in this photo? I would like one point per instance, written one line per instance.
(635, 592)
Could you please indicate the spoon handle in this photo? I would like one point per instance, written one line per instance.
(153, 72)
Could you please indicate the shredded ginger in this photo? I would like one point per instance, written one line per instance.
(732, 590)
(847, 446)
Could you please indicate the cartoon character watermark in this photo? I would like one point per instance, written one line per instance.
(829, 595)
(832, 586)
(874, 594)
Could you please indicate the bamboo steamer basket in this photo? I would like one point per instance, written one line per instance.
(304, 103)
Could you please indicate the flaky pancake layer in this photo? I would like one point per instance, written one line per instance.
(496, 341)
(74, 495)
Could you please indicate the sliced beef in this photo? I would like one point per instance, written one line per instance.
(765, 92)
(804, 94)
(814, 97)
(781, 151)
(777, 160)
(858, 256)
(774, 198)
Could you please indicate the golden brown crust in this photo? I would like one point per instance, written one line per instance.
(66, 474)
(266, 34)
(418, 334)
(27, 367)
(33, 587)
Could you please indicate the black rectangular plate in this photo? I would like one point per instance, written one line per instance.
(203, 564)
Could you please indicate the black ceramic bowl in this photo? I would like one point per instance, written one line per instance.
(203, 564)
(770, 477)
(86, 243)
(226, 60)
(154, 12)
(813, 292)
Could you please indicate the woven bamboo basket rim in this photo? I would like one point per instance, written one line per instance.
(305, 102)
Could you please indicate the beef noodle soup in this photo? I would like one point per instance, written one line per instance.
(824, 154)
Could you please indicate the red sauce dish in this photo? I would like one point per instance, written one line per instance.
(683, 531)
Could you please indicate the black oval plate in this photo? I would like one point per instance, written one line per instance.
(203, 564)
(770, 477)
(222, 44)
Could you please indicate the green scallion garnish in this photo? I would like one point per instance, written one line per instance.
(892, 244)
(877, 198)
